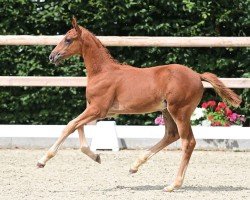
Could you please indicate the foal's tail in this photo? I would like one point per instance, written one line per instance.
(224, 92)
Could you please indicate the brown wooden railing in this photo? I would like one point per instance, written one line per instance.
(119, 41)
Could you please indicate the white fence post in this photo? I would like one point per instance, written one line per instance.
(105, 137)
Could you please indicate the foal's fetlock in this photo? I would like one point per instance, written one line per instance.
(96, 157)
(85, 150)
(135, 166)
(41, 163)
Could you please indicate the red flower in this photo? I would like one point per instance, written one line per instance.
(211, 104)
(218, 109)
(204, 105)
(222, 105)
(228, 112)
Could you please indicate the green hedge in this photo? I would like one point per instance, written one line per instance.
(129, 17)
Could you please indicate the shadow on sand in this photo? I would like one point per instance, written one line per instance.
(183, 189)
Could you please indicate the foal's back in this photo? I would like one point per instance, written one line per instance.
(149, 89)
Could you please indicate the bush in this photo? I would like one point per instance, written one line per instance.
(147, 18)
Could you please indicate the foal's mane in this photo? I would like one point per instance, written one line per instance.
(97, 42)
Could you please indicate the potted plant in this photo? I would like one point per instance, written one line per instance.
(212, 113)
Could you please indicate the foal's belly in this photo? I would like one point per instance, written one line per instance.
(118, 108)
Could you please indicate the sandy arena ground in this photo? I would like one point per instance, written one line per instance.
(71, 175)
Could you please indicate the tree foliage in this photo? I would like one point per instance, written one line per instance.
(122, 18)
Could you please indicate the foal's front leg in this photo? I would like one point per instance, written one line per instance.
(85, 148)
(91, 113)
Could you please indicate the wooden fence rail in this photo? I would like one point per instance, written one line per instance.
(43, 81)
(136, 41)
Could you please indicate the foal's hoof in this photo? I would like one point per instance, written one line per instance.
(133, 171)
(168, 189)
(98, 159)
(171, 188)
(40, 165)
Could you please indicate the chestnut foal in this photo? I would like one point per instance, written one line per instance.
(113, 89)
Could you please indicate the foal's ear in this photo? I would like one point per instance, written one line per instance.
(75, 25)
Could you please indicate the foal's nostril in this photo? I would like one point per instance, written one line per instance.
(55, 57)
(50, 57)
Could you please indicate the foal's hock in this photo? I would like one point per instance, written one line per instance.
(113, 88)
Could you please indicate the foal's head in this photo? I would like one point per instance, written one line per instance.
(70, 45)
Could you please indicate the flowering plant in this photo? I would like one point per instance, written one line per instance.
(212, 114)
(159, 120)
(219, 114)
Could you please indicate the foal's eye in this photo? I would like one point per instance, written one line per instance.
(68, 41)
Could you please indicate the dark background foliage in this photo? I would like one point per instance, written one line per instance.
(121, 18)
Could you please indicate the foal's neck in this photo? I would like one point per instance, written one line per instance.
(96, 56)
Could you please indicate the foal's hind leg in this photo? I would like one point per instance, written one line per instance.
(84, 146)
(171, 135)
(188, 144)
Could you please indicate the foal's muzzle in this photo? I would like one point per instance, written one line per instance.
(55, 57)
